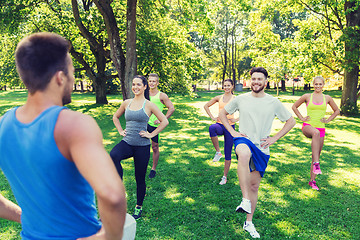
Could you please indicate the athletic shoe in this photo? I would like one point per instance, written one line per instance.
(152, 173)
(217, 157)
(223, 180)
(316, 168)
(313, 185)
(245, 206)
(137, 213)
(249, 227)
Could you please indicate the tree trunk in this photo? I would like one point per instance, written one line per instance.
(131, 58)
(233, 54)
(283, 87)
(100, 90)
(348, 104)
(98, 51)
(225, 53)
(116, 51)
(268, 85)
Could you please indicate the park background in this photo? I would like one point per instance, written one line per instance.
(194, 45)
(185, 200)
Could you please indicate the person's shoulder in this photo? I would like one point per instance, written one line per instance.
(150, 103)
(163, 95)
(243, 95)
(127, 101)
(73, 122)
(271, 98)
(328, 98)
(218, 97)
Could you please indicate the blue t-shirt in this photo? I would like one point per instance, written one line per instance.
(56, 200)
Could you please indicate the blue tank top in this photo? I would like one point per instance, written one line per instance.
(56, 201)
(136, 121)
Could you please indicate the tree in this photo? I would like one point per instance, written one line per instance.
(340, 23)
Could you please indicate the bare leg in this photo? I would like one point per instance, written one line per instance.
(255, 179)
(215, 142)
(317, 144)
(243, 152)
(227, 167)
(156, 154)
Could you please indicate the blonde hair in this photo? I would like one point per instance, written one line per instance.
(319, 77)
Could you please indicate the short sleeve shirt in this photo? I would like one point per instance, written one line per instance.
(256, 115)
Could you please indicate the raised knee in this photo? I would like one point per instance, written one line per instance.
(243, 152)
(316, 134)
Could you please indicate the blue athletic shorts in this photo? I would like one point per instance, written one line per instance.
(258, 160)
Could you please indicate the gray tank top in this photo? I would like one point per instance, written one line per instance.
(136, 121)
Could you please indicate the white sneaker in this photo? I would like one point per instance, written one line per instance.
(217, 157)
(251, 229)
(223, 180)
(245, 206)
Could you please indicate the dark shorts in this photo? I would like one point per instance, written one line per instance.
(150, 129)
(258, 160)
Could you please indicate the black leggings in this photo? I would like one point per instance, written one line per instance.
(141, 155)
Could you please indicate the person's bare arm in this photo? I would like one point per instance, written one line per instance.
(167, 102)
(334, 107)
(222, 115)
(289, 124)
(296, 105)
(9, 210)
(80, 141)
(209, 104)
(160, 116)
(117, 115)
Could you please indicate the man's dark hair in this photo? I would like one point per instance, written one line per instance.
(260, 70)
(38, 57)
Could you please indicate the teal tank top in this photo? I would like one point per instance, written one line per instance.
(56, 201)
(316, 112)
(155, 99)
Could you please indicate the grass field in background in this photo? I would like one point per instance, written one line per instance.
(185, 200)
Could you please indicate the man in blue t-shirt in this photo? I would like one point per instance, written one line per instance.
(54, 158)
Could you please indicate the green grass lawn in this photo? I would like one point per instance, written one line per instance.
(185, 200)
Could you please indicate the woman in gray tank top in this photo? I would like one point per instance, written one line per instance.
(136, 139)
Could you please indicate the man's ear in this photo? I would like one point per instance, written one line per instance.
(59, 76)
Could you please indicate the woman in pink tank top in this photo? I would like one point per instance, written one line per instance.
(314, 123)
(218, 128)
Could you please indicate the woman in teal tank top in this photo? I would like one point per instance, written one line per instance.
(314, 123)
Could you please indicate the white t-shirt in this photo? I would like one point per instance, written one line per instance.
(256, 115)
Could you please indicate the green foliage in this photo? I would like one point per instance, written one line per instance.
(8, 74)
(166, 49)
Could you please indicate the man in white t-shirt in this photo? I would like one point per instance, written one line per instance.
(257, 111)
